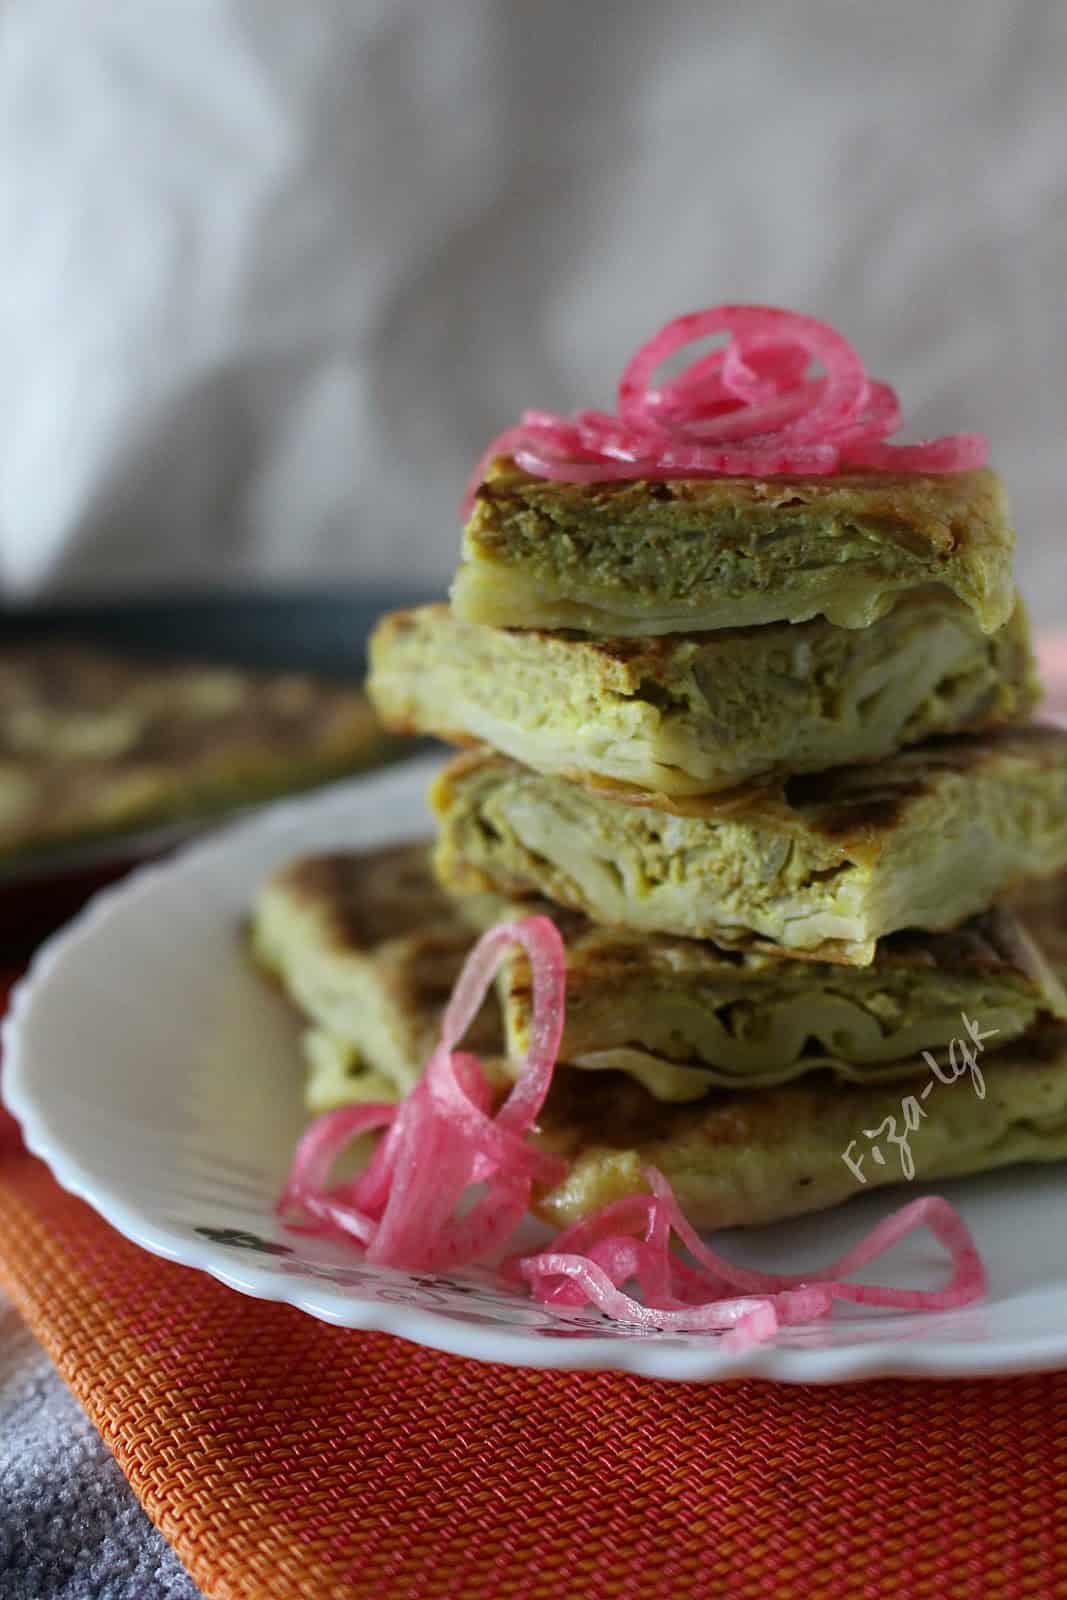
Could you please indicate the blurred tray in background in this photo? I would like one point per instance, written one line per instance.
(319, 633)
(306, 630)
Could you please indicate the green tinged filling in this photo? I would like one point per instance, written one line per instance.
(924, 841)
(869, 1029)
(729, 552)
(693, 713)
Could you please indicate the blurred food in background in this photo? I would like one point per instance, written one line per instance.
(99, 746)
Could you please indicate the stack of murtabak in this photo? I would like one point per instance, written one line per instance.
(762, 750)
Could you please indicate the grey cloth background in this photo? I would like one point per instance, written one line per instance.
(70, 1528)
(273, 273)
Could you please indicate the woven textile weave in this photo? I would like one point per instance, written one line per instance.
(284, 1458)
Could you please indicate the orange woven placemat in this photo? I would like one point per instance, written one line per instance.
(285, 1458)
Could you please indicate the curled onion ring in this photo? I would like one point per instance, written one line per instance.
(747, 409)
(443, 1139)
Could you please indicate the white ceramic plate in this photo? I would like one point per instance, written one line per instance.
(160, 1080)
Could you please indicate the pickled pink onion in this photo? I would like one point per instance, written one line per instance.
(413, 1206)
(747, 409)
(442, 1140)
(589, 1262)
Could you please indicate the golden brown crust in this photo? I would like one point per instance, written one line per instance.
(939, 512)
(991, 945)
(848, 807)
(363, 898)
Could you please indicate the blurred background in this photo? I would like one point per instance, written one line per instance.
(273, 273)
